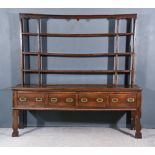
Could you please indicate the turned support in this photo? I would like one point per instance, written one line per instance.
(15, 132)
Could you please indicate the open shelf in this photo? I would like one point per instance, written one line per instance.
(47, 16)
(78, 71)
(115, 55)
(79, 55)
(77, 35)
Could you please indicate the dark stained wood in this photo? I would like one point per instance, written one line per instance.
(32, 100)
(128, 59)
(133, 56)
(77, 35)
(77, 87)
(77, 97)
(77, 109)
(22, 49)
(61, 100)
(79, 54)
(30, 34)
(22, 119)
(117, 16)
(78, 71)
(117, 48)
(93, 99)
(138, 133)
(121, 100)
(87, 96)
(15, 132)
(132, 120)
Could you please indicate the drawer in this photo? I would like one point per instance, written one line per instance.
(93, 99)
(123, 100)
(31, 99)
(61, 99)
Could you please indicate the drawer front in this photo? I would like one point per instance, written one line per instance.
(123, 100)
(62, 99)
(93, 99)
(31, 99)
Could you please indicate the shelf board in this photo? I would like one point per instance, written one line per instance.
(30, 53)
(78, 55)
(77, 35)
(78, 71)
(47, 16)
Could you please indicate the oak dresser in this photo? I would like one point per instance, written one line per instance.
(77, 97)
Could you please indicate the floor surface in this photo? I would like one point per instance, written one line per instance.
(76, 136)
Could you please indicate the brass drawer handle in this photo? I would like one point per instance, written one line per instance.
(69, 100)
(130, 100)
(54, 100)
(84, 100)
(114, 100)
(99, 100)
(22, 99)
(38, 99)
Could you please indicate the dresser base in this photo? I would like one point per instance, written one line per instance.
(76, 98)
